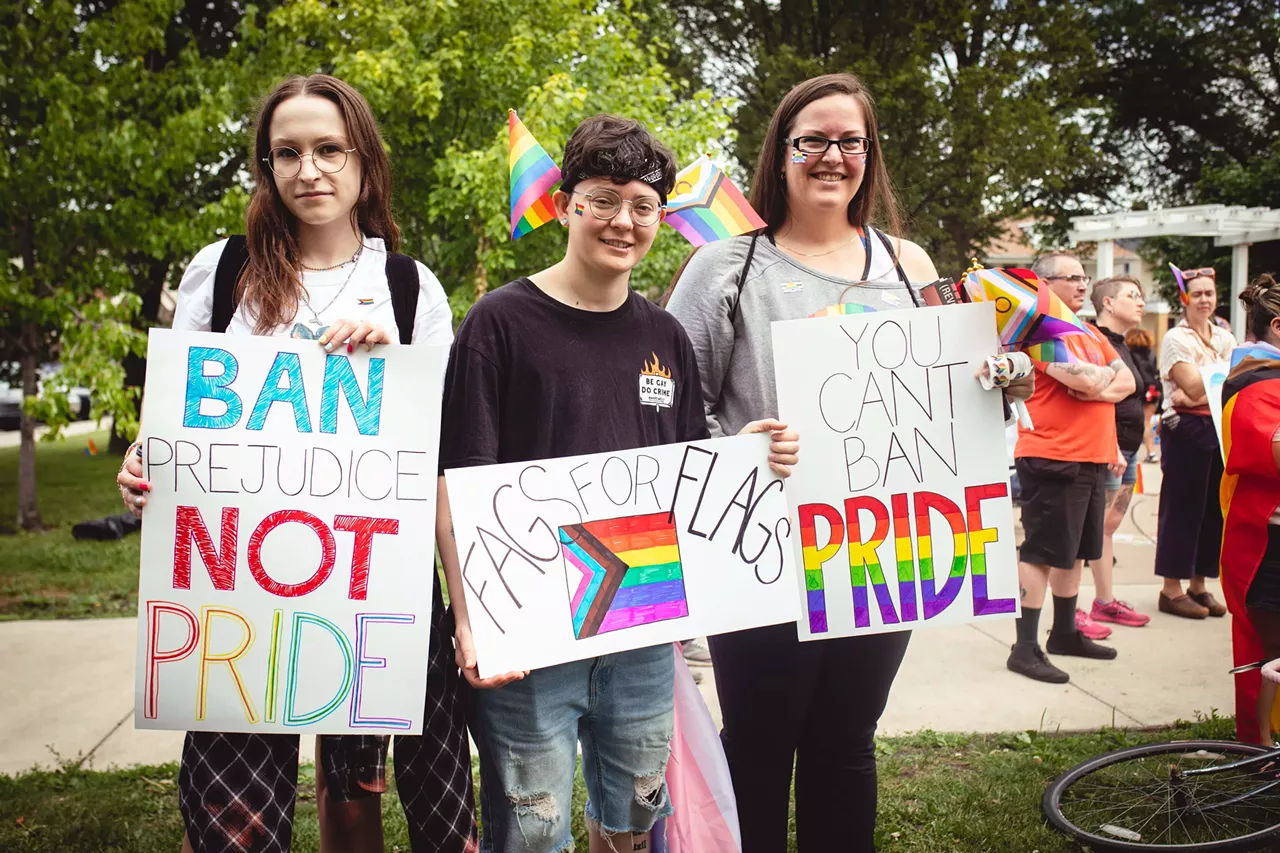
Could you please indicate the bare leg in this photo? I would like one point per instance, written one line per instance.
(186, 844)
(622, 842)
(1196, 585)
(1102, 569)
(1033, 580)
(1148, 434)
(1172, 587)
(1266, 699)
(350, 827)
(1066, 582)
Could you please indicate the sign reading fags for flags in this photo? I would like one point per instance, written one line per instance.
(565, 559)
(906, 520)
(288, 538)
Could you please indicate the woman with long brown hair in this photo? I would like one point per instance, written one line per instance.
(319, 262)
(820, 184)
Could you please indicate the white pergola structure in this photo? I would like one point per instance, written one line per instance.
(1237, 227)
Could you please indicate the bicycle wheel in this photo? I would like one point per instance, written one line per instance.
(1135, 799)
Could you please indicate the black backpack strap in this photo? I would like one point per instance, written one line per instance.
(902, 274)
(402, 279)
(742, 276)
(235, 256)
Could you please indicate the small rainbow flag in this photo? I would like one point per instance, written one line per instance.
(627, 573)
(533, 174)
(1029, 315)
(707, 206)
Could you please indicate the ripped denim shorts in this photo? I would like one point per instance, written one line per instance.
(620, 707)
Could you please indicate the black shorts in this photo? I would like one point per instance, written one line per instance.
(1063, 507)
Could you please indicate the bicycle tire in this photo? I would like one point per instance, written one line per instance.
(1052, 802)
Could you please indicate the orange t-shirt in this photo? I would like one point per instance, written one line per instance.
(1068, 429)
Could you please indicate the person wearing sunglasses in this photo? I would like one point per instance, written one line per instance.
(1189, 534)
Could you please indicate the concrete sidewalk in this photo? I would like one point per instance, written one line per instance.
(68, 691)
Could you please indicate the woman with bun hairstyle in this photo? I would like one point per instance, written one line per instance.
(319, 262)
(820, 184)
(1251, 506)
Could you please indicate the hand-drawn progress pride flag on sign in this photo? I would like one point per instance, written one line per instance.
(1029, 315)
(628, 573)
(898, 527)
(707, 206)
(533, 174)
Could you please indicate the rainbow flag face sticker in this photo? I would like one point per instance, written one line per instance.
(579, 207)
(622, 572)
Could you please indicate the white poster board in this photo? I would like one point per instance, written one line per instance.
(565, 559)
(288, 538)
(901, 499)
(1213, 376)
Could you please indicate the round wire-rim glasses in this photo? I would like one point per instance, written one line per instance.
(606, 204)
(286, 162)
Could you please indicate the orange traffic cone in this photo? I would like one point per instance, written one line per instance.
(1137, 484)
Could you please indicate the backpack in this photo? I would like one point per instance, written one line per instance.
(402, 279)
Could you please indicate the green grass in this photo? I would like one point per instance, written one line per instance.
(938, 793)
(49, 575)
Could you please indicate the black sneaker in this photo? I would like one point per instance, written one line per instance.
(1078, 645)
(1029, 659)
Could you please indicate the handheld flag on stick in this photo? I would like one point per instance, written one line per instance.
(533, 174)
(1026, 312)
(706, 206)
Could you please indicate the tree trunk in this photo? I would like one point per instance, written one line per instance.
(482, 276)
(28, 508)
(135, 366)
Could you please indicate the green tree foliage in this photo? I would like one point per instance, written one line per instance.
(980, 104)
(1193, 101)
(441, 78)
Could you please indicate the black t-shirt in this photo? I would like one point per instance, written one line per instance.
(532, 378)
(1129, 419)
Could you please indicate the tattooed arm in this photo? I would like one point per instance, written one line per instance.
(1121, 385)
(1085, 378)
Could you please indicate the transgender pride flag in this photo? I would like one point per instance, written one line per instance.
(627, 573)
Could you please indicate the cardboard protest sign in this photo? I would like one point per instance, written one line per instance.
(1214, 376)
(564, 559)
(288, 538)
(901, 499)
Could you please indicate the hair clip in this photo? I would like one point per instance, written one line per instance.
(798, 156)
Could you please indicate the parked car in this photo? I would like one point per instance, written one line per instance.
(11, 396)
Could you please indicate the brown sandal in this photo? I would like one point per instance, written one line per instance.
(1182, 606)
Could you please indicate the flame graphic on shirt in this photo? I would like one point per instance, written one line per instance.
(656, 368)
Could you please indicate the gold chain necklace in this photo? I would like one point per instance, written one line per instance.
(352, 260)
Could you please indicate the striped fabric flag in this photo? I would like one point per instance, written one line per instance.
(706, 206)
(627, 573)
(1029, 315)
(533, 175)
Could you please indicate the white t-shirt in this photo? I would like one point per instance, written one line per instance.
(367, 297)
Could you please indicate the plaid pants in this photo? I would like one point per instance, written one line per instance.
(236, 791)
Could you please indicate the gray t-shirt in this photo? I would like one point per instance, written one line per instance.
(735, 348)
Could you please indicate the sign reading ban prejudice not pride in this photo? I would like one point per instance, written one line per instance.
(288, 538)
(905, 520)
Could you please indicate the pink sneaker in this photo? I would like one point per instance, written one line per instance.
(1118, 612)
(1085, 625)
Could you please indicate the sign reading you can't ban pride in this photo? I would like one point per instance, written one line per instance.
(288, 539)
(906, 520)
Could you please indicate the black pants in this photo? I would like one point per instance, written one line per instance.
(1189, 531)
(813, 705)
